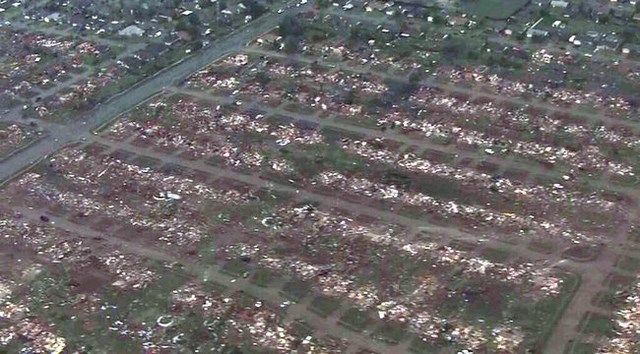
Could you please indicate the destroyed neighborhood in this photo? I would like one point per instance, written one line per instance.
(217, 176)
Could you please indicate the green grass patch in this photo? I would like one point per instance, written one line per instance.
(262, 277)
(443, 140)
(498, 255)
(213, 287)
(311, 160)
(580, 348)
(355, 319)
(462, 245)
(629, 264)
(542, 246)
(301, 329)
(143, 305)
(151, 302)
(420, 346)
(391, 333)
(236, 268)
(335, 135)
(324, 306)
(539, 319)
(296, 290)
(609, 300)
(593, 323)
(476, 298)
(626, 181)
(617, 281)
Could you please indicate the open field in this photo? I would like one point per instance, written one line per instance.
(495, 9)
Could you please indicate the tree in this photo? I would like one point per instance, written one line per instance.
(629, 35)
(415, 77)
(350, 97)
(291, 44)
(291, 26)
(454, 48)
(263, 78)
(323, 4)
(254, 8)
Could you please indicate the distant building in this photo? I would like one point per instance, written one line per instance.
(631, 48)
(534, 32)
(131, 31)
(624, 10)
(608, 42)
(559, 4)
(541, 3)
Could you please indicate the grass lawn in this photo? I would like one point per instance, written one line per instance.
(355, 319)
(629, 264)
(495, 254)
(301, 329)
(542, 246)
(626, 181)
(213, 287)
(236, 268)
(262, 277)
(492, 8)
(389, 332)
(608, 300)
(580, 348)
(296, 290)
(616, 281)
(324, 306)
(421, 347)
(593, 323)
(539, 319)
(464, 246)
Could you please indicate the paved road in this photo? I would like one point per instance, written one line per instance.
(593, 282)
(128, 99)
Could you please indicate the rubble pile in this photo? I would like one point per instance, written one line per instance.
(207, 80)
(40, 339)
(80, 93)
(535, 194)
(171, 203)
(191, 296)
(129, 271)
(202, 131)
(616, 105)
(262, 325)
(541, 283)
(379, 191)
(413, 307)
(36, 237)
(590, 158)
(452, 110)
(627, 320)
(11, 137)
(59, 245)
